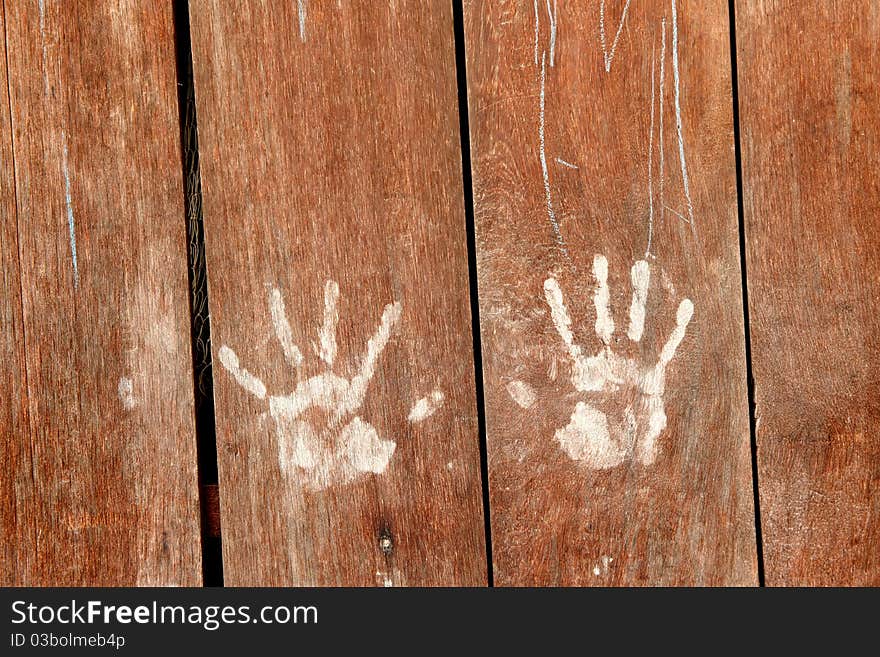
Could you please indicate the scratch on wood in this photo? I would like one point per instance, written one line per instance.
(660, 129)
(651, 162)
(551, 12)
(552, 215)
(537, 30)
(609, 56)
(43, 44)
(71, 225)
(678, 124)
(559, 160)
(301, 7)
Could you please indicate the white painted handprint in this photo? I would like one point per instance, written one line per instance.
(331, 444)
(607, 378)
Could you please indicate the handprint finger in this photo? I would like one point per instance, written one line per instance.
(559, 314)
(245, 379)
(282, 328)
(641, 277)
(682, 318)
(326, 350)
(375, 347)
(602, 299)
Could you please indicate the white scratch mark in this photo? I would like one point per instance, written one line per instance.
(282, 328)
(678, 123)
(551, 12)
(641, 278)
(125, 389)
(522, 393)
(677, 214)
(550, 214)
(651, 164)
(609, 56)
(537, 30)
(245, 379)
(601, 300)
(71, 225)
(426, 407)
(662, 97)
(559, 160)
(301, 6)
(327, 331)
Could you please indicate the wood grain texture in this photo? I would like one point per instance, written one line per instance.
(557, 516)
(810, 116)
(99, 477)
(330, 152)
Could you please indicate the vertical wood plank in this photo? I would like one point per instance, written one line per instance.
(810, 114)
(99, 464)
(344, 387)
(602, 141)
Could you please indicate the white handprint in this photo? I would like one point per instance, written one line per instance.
(607, 377)
(337, 446)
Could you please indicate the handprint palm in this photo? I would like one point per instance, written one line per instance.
(605, 377)
(338, 445)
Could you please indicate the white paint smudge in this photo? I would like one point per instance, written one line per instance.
(327, 331)
(384, 579)
(282, 328)
(678, 122)
(551, 12)
(559, 160)
(245, 379)
(589, 437)
(641, 278)
(426, 406)
(522, 393)
(662, 97)
(602, 299)
(68, 200)
(549, 200)
(301, 10)
(603, 566)
(609, 56)
(125, 390)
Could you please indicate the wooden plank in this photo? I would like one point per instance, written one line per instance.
(333, 206)
(98, 463)
(602, 138)
(810, 112)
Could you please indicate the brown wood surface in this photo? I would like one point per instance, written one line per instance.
(563, 514)
(330, 152)
(810, 117)
(98, 478)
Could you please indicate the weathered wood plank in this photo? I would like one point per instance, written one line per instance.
(338, 293)
(98, 462)
(810, 116)
(602, 139)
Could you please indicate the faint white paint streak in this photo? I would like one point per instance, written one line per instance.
(550, 214)
(602, 299)
(537, 30)
(43, 44)
(678, 122)
(125, 390)
(301, 7)
(551, 12)
(651, 163)
(327, 331)
(662, 98)
(426, 406)
(282, 328)
(68, 200)
(559, 160)
(609, 56)
(589, 437)
(522, 393)
(641, 278)
(245, 379)
(677, 214)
